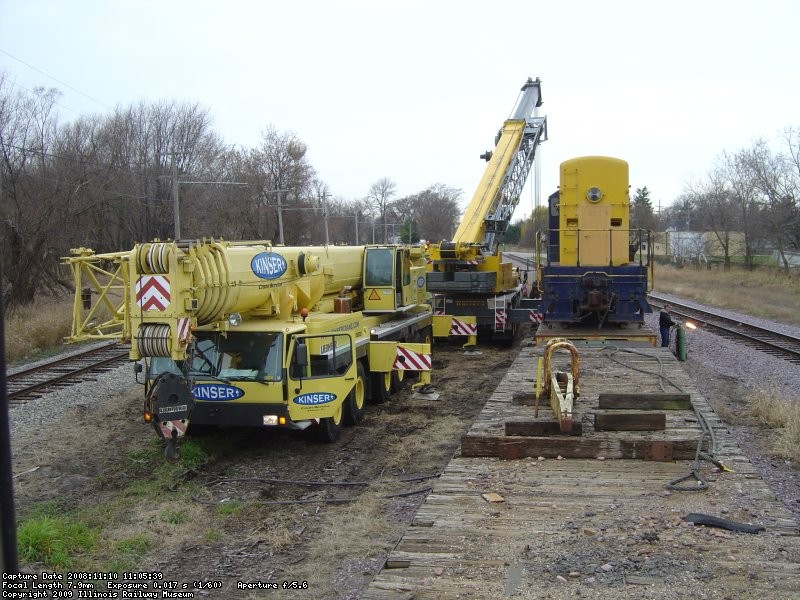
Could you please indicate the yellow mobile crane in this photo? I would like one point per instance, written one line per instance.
(473, 287)
(250, 334)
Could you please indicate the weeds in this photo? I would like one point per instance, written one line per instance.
(53, 540)
(99, 536)
(775, 411)
(766, 293)
(37, 330)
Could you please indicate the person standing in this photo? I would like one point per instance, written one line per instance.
(664, 323)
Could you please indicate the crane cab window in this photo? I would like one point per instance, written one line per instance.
(322, 356)
(239, 356)
(378, 267)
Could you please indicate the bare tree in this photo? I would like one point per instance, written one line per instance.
(791, 139)
(37, 205)
(713, 201)
(380, 195)
(280, 171)
(432, 213)
(744, 196)
(772, 174)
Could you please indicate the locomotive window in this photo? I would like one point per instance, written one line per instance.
(616, 222)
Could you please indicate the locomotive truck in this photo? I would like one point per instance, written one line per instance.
(598, 270)
(250, 334)
(473, 288)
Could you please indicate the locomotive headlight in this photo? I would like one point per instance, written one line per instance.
(594, 194)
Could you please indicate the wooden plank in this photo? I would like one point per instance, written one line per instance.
(566, 447)
(540, 428)
(645, 401)
(630, 421)
(456, 529)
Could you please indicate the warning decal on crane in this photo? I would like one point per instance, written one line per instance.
(408, 360)
(462, 328)
(184, 331)
(374, 295)
(152, 292)
(500, 318)
(536, 317)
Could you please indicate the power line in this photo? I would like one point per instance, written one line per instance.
(77, 91)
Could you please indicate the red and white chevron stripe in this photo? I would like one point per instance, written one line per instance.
(152, 292)
(408, 360)
(536, 317)
(183, 328)
(500, 318)
(460, 328)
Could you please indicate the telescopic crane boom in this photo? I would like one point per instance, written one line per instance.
(488, 214)
(472, 285)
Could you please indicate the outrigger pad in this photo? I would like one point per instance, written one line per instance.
(170, 398)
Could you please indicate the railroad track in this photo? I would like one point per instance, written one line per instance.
(522, 260)
(65, 371)
(772, 342)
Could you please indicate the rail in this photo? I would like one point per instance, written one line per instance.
(772, 342)
(32, 382)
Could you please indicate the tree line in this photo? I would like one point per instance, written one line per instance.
(110, 181)
(107, 182)
(749, 201)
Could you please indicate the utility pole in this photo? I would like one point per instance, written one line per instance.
(356, 219)
(176, 184)
(325, 215)
(176, 212)
(280, 213)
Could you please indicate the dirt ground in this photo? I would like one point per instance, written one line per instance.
(246, 520)
(277, 506)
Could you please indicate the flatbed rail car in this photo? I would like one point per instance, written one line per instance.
(532, 516)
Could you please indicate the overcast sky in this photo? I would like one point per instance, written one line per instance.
(416, 90)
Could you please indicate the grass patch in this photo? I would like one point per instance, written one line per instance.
(227, 509)
(128, 552)
(768, 293)
(777, 412)
(174, 516)
(108, 535)
(37, 330)
(53, 540)
(212, 535)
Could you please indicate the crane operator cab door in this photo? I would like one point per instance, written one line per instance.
(381, 292)
(322, 372)
(392, 279)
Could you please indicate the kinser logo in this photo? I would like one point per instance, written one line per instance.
(216, 392)
(268, 265)
(314, 399)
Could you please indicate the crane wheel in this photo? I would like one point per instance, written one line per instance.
(355, 405)
(328, 429)
(381, 384)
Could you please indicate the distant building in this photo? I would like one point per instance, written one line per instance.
(696, 246)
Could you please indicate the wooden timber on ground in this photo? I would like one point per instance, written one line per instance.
(589, 336)
(509, 519)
